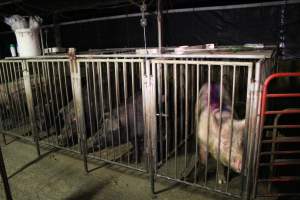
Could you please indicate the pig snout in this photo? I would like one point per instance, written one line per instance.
(237, 165)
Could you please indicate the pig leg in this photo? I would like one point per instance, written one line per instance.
(202, 153)
(221, 175)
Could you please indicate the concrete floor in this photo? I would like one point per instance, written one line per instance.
(60, 176)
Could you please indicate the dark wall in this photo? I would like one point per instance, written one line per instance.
(222, 27)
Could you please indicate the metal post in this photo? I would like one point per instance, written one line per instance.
(30, 105)
(159, 26)
(78, 104)
(149, 101)
(4, 177)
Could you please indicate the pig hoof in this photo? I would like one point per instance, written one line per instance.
(221, 180)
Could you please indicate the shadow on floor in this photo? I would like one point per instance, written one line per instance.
(32, 162)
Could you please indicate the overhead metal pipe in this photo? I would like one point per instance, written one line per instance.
(159, 26)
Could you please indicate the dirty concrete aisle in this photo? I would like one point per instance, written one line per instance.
(58, 176)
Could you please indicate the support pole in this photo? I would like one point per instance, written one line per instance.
(78, 104)
(159, 26)
(30, 105)
(4, 177)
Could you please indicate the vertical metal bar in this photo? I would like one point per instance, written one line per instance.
(21, 82)
(248, 149)
(181, 100)
(134, 114)
(19, 89)
(220, 125)
(96, 104)
(258, 124)
(102, 105)
(63, 104)
(117, 93)
(15, 93)
(4, 177)
(125, 104)
(159, 26)
(159, 93)
(166, 111)
(56, 97)
(231, 124)
(35, 94)
(110, 106)
(152, 121)
(208, 123)
(76, 78)
(69, 103)
(30, 105)
(186, 115)
(47, 101)
(175, 115)
(197, 121)
(88, 88)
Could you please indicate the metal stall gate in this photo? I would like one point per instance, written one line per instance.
(14, 115)
(55, 95)
(114, 114)
(205, 109)
(278, 157)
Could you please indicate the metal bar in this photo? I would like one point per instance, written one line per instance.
(172, 11)
(208, 123)
(159, 26)
(134, 114)
(30, 105)
(96, 106)
(110, 104)
(186, 115)
(175, 115)
(117, 93)
(102, 104)
(125, 105)
(274, 112)
(197, 121)
(76, 78)
(283, 95)
(220, 124)
(231, 125)
(166, 84)
(279, 152)
(160, 111)
(289, 126)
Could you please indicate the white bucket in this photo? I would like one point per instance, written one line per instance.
(28, 42)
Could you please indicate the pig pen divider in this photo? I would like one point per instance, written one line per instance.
(133, 111)
(175, 143)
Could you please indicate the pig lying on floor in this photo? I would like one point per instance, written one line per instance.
(208, 129)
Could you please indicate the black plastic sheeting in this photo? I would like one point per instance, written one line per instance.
(222, 27)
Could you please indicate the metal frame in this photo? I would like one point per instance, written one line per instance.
(263, 115)
(153, 75)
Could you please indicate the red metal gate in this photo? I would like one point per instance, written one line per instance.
(278, 153)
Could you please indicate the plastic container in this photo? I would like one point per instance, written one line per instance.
(28, 42)
(13, 50)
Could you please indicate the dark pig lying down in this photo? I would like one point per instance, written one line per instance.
(114, 130)
(212, 116)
